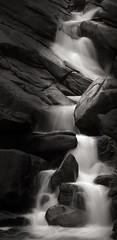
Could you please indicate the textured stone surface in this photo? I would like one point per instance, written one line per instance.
(71, 195)
(65, 216)
(104, 180)
(40, 143)
(102, 92)
(31, 75)
(9, 219)
(108, 123)
(101, 35)
(18, 174)
(106, 149)
(67, 172)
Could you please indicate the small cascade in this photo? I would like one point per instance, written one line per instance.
(97, 203)
(79, 53)
(63, 118)
(45, 199)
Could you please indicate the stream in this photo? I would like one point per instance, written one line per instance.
(97, 202)
(81, 55)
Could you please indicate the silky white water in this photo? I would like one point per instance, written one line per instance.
(63, 118)
(79, 53)
(97, 203)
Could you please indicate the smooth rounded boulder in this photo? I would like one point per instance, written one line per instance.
(66, 216)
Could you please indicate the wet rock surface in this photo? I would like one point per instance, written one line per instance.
(106, 149)
(67, 172)
(72, 195)
(65, 216)
(10, 219)
(32, 77)
(32, 80)
(18, 179)
(106, 180)
(40, 144)
(102, 92)
(108, 123)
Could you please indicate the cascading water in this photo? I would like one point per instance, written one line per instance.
(97, 203)
(96, 195)
(79, 53)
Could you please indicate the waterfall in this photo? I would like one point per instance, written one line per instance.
(97, 203)
(79, 53)
(63, 118)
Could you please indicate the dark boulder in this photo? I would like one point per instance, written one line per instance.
(79, 5)
(114, 203)
(114, 207)
(115, 225)
(109, 11)
(112, 192)
(66, 216)
(67, 172)
(108, 123)
(14, 122)
(105, 148)
(9, 219)
(18, 179)
(47, 145)
(104, 180)
(102, 92)
(115, 67)
(114, 235)
(101, 35)
(113, 195)
(71, 195)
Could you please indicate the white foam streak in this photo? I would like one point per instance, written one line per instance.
(79, 53)
(97, 203)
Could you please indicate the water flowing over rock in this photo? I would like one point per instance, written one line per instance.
(67, 172)
(18, 179)
(29, 71)
(72, 195)
(65, 216)
(35, 80)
